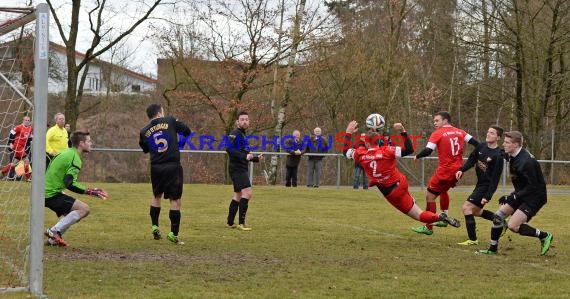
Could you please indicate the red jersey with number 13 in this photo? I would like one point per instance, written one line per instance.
(449, 142)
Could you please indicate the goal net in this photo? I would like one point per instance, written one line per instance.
(20, 88)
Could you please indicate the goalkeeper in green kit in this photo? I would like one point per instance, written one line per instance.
(60, 175)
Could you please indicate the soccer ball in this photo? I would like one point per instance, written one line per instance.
(375, 121)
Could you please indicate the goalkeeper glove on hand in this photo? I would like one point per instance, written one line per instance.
(96, 192)
(507, 199)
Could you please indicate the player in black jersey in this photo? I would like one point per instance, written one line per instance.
(239, 162)
(160, 138)
(488, 161)
(527, 199)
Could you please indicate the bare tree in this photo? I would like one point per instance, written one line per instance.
(104, 35)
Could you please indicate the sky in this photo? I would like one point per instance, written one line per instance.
(143, 53)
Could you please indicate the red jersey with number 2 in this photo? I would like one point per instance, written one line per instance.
(379, 163)
(449, 142)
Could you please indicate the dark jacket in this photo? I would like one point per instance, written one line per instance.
(293, 160)
(238, 152)
(488, 164)
(527, 178)
(318, 147)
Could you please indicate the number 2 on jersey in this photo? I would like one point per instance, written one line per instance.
(373, 166)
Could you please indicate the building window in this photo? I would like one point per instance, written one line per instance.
(135, 88)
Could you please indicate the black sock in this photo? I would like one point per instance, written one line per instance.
(233, 209)
(486, 214)
(496, 232)
(471, 227)
(174, 216)
(154, 213)
(243, 205)
(542, 235)
(527, 230)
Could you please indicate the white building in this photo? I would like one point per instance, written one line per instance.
(102, 76)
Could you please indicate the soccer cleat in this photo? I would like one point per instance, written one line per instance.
(469, 243)
(174, 239)
(50, 242)
(486, 251)
(545, 243)
(450, 220)
(231, 225)
(55, 237)
(422, 230)
(440, 224)
(242, 227)
(156, 233)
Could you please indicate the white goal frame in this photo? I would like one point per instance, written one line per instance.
(41, 15)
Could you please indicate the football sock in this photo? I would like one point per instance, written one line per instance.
(494, 245)
(174, 216)
(243, 205)
(154, 213)
(470, 225)
(431, 207)
(486, 214)
(496, 232)
(529, 231)
(428, 217)
(233, 209)
(6, 168)
(444, 201)
(62, 225)
(28, 173)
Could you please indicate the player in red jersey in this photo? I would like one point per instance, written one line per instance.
(449, 142)
(19, 142)
(379, 164)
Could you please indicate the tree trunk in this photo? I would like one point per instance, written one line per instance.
(281, 114)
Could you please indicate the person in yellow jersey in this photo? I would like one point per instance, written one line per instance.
(56, 138)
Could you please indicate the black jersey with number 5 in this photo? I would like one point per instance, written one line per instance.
(160, 139)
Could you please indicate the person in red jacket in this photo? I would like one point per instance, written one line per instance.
(19, 143)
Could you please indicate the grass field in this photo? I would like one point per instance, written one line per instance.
(305, 243)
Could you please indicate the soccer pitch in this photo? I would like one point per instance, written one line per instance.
(305, 243)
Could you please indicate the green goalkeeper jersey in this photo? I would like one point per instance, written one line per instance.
(62, 173)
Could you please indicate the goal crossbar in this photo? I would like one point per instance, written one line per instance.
(12, 24)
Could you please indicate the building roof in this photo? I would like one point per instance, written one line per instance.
(62, 49)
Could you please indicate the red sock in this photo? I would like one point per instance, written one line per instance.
(428, 217)
(431, 207)
(6, 169)
(27, 172)
(444, 201)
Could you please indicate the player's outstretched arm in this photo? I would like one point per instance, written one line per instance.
(97, 192)
(408, 147)
(352, 127)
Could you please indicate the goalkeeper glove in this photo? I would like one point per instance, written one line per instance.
(96, 192)
(507, 199)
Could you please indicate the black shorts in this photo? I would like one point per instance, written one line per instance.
(478, 193)
(240, 180)
(61, 204)
(167, 179)
(530, 209)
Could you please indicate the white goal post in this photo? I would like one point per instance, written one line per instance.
(14, 97)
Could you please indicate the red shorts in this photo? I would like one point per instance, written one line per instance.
(400, 197)
(20, 154)
(437, 185)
